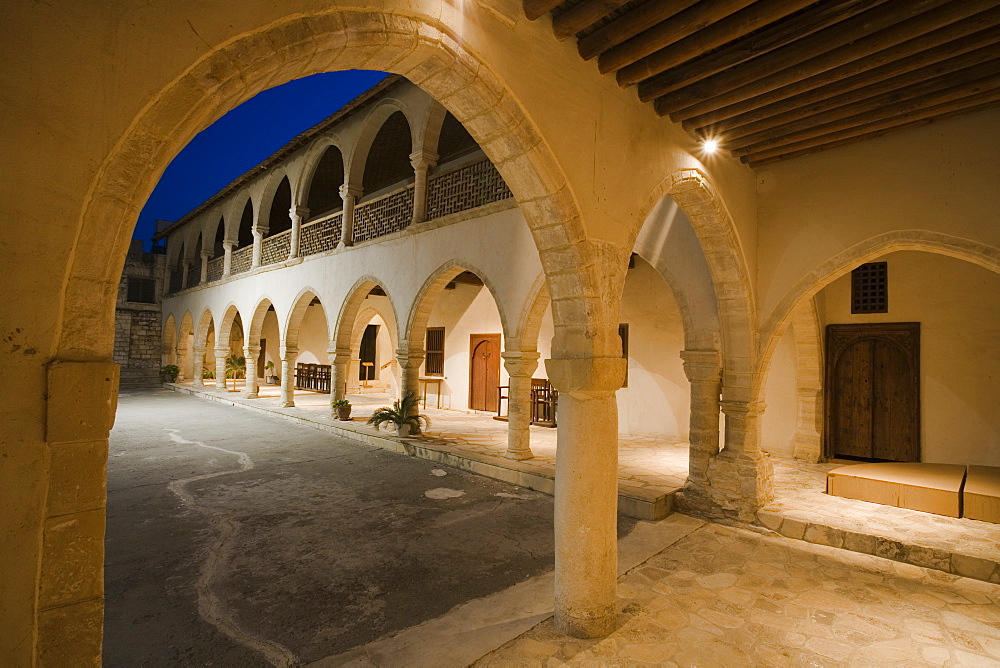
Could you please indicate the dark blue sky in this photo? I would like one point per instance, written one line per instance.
(244, 137)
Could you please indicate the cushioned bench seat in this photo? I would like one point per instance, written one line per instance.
(931, 488)
(982, 493)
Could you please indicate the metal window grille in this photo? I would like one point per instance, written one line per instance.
(870, 288)
(142, 290)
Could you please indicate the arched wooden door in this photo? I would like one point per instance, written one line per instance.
(873, 391)
(484, 372)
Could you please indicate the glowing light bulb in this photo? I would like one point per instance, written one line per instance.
(710, 145)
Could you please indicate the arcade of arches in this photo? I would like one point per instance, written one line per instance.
(545, 210)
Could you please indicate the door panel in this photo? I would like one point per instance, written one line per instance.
(894, 407)
(484, 372)
(853, 410)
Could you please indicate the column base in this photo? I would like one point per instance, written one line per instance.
(287, 404)
(519, 455)
(251, 395)
(586, 627)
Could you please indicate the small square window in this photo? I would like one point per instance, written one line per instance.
(141, 290)
(870, 288)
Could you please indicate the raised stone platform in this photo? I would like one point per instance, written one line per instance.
(982, 494)
(930, 488)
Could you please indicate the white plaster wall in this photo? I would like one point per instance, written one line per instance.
(958, 307)
(781, 398)
(314, 337)
(657, 399)
(464, 311)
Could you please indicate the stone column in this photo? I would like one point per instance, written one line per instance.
(422, 162)
(258, 238)
(288, 357)
(703, 369)
(520, 366)
(199, 366)
(185, 269)
(349, 195)
(808, 425)
(220, 368)
(250, 388)
(409, 366)
(227, 259)
(339, 359)
(205, 257)
(742, 475)
(586, 498)
(297, 214)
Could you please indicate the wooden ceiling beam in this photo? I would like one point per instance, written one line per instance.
(667, 32)
(629, 25)
(927, 49)
(536, 9)
(721, 32)
(583, 15)
(928, 93)
(753, 162)
(796, 61)
(958, 105)
(820, 100)
(769, 39)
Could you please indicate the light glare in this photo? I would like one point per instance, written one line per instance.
(710, 145)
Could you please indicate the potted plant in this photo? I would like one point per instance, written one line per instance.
(208, 373)
(269, 375)
(400, 416)
(169, 373)
(343, 408)
(236, 367)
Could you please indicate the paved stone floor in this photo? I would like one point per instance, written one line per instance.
(235, 539)
(724, 596)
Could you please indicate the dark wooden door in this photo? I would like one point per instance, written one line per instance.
(873, 397)
(484, 372)
(366, 368)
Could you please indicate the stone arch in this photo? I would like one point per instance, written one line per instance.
(253, 328)
(267, 198)
(530, 321)
(201, 334)
(168, 341)
(808, 381)
(314, 156)
(185, 353)
(226, 325)
(426, 51)
(429, 133)
(373, 123)
(774, 326)
(241, 220)
(290, 337)
(431, 290)
(215, 232)
(351, 309)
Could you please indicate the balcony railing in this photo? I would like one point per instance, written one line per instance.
(215, 267)
(242, 259)
(275, 249)
(320, 235)
(385, 215)
(467, 187)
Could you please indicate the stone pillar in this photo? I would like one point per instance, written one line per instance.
(422, 161)
(258, 238)
(742, 476)
(297, 214)
(808, 425)
(288, 357)
(704, 371)
(227, 259)
(339, 359)
(349, 195)
(199, 366)
(220, 367)
(185, 270)
(409, 366)
(205, 256)
(520, 366)
(250, 388)
(586, 498)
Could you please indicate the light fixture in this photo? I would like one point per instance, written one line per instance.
(709, 145)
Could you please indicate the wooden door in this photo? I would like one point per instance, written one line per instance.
(484, 372)
(873, 398)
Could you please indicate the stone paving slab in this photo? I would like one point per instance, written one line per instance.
(724, 596)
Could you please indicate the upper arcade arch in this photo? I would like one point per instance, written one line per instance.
(323, 174)
(275, 203)
(386, 154)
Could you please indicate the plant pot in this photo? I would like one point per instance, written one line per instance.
(343, 412)
(273, 380)
(403, 430)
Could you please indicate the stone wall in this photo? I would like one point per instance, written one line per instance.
(138, 347)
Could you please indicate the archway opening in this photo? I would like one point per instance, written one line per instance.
(388, 159)
(324, 188)
(278, 219)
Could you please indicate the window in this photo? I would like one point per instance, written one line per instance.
(870, 288)
(434, 362)
(623, 333)
(141, 290)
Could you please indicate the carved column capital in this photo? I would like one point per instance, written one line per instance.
(594, 376)
(702, 365)
(423, 159)
(519, 363)
(350, 190)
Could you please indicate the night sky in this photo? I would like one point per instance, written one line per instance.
(244, 137)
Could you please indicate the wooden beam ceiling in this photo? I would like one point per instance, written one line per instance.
(774, 79)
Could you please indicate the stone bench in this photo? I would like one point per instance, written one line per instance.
(931, 488)
(982, 494)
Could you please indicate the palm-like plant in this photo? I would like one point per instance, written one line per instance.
(402, 415)
(236, 367)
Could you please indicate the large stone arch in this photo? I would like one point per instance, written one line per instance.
(252, 329)
(290, 333)
(226, 325)
(529, 324)
(201, 333)
(168, 341)
(425, 51)
(351, 308)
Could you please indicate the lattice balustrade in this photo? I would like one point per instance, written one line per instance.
(194, 274)
(215, 267)
(465, 188)
(242, 259)
(275, 249)
(383, 216)
(320, 235)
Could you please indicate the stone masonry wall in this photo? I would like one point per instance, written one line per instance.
(138, 345)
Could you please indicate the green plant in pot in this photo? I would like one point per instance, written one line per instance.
(342, 408)
(208, 373)
(236, 367)
(169, 373)
(269, 374)
(402, 416)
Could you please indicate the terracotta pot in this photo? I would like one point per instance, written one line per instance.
(343, 412)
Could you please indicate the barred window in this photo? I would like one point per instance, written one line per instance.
(142, 290)
(434, 361)
(870, 288)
